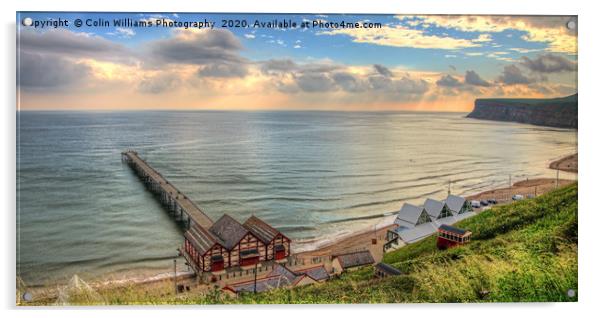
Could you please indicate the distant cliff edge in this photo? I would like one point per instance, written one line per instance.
(554, 112)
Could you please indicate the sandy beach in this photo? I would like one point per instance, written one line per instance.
(371, 239)
(568, 163)
(529, 187)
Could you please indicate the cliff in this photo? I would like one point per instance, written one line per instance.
(555, 112)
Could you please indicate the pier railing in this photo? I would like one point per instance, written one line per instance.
(169, 196)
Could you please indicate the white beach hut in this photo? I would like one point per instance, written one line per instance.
(457, 204)
(410, 216)
(437, 209)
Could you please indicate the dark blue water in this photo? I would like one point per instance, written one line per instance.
(313, 175)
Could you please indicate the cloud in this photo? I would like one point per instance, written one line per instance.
(523, 50)
(512, 75)
(282, 66)
(278, 66)
(448, 81)
(383, 70)
(315, 82)
(398, 87)
(157, 84)
(547, 29)
(399, 36)
(223, 70)
(376, 81)
(199, 47)
(125, 32)
(549, 63)
(349, 82)
(483, 38)
(72, 44)
(472, 78)
(43, 72)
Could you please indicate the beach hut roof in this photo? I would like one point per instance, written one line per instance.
(453, 229)
(454, 202)
(318, 273)
(355, 259)
(279, 277)
(228, 230)
(386, 268)
(417, 233)
(263, 284)
(201, 239)
(409, 213)
(433, 207)
(280, 270)
(263, 231)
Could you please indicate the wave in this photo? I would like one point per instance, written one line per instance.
(364, 217)
(135, 261)
(374, 203)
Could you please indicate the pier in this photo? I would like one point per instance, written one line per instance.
(174, 200)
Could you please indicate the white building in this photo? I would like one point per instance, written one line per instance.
(437, 209)
(410, 216)
(457, 204)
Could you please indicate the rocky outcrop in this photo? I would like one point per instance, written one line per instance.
(556, 112)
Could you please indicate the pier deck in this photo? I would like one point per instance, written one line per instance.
(169, 195)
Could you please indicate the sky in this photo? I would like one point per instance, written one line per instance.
(404, 62)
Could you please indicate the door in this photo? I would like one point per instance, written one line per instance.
(279, 252)
(217, 263)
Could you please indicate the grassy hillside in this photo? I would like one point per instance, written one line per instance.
(525, 251)
(568, 100)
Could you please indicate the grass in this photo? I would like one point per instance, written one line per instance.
(569, 100)
(521, 252)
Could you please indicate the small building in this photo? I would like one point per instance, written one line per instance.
(318, 273)
(351, 261)
(457, 204)
(392, 241)
(243, 247)
(203, 250)
(410, 216)
(437, 209)
(382, 270)
(277, 245)
(227, 243)
(391, 236)
(279, 277)
(450, 236)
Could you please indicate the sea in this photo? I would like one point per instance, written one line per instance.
(315, 176)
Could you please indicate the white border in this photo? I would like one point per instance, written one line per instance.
(589, 147)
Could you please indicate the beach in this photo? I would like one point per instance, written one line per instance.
(371, 239)
(503, 195)
(568, 163)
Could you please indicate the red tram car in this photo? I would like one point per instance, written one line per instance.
(450, 236)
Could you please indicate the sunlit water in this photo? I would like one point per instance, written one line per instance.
(313, 175)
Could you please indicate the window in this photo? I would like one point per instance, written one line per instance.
(424, 218)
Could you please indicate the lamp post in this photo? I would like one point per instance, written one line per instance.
(255, 280)
(175, 277)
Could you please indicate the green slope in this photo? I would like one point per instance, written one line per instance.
(525, 251)
(568, 100)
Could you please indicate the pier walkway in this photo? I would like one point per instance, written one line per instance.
(174, 200)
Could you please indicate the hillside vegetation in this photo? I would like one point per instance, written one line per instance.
(525, 251)
(521, 252)
(555, 112)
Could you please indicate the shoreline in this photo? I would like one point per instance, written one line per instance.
(360, 239)
(567, 163)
